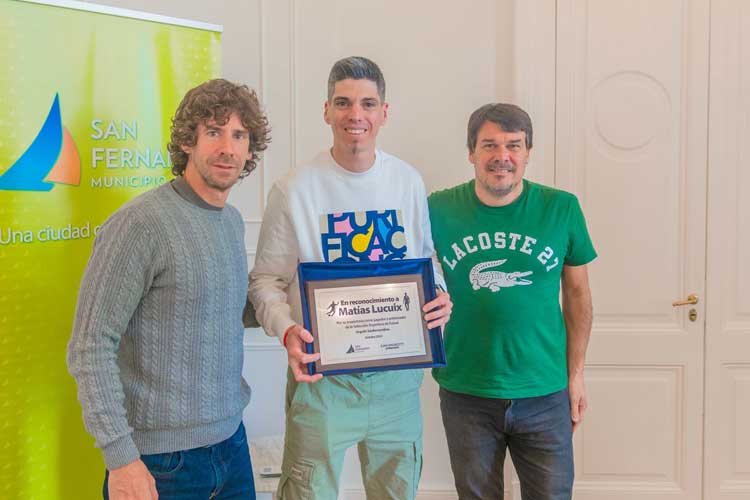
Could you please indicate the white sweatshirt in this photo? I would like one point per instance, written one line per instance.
(321, 212)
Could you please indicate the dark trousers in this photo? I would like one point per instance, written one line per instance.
(537, 432)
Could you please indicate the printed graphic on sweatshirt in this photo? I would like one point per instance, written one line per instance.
(363, 236)
(481, 277)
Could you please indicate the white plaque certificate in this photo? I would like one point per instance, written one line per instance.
(369, 322)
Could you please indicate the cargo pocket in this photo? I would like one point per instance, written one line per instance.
(417, 466)
(296, 484)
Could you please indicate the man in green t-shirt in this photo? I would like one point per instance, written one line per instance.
(514, 378)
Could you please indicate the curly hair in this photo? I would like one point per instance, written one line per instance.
(216, 100)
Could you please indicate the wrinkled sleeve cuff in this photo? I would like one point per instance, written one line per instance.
(120, 452)
(280, 325)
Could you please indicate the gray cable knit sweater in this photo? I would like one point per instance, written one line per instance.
(156, 348)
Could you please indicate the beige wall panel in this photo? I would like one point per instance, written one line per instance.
(526, 75)
(737, 401)
(654, 416)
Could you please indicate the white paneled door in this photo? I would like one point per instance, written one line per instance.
(632, 114)
(652, 133)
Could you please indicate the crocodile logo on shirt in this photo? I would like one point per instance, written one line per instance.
(495, 280)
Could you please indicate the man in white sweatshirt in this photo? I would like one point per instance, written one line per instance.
(350, 203)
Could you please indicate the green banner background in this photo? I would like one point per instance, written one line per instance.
(128, 75)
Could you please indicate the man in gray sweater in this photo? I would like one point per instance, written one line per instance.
(156, 349)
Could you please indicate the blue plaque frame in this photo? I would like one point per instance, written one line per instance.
(316, 272)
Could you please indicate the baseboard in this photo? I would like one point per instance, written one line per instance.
(421, 495)
(355, 494)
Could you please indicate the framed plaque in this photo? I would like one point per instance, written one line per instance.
(367, 316)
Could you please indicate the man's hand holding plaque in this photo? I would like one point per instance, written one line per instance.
(438, 311)
(295, 338)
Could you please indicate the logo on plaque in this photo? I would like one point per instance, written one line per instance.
(331, 308)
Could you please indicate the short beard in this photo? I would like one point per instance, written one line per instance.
(215, 185)
(500, 192)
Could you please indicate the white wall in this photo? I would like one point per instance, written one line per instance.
(441, 60)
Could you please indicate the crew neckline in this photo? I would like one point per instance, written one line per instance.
(187, 193)
(503, 208)
(356, 175)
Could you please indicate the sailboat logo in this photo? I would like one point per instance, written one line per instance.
(52, 158)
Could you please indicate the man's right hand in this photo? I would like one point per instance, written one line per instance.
(295, 338)
(132, 482)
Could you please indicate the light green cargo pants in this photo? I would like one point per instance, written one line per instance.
(379, 412)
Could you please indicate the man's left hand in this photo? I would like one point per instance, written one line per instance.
(578, 400)
(438, 311)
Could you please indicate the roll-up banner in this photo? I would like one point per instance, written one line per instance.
(86, 97)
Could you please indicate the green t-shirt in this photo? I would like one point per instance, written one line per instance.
(506, 337)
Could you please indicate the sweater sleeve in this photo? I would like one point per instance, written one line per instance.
(275, 266)
(118, 274)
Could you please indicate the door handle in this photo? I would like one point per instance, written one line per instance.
(691, 299)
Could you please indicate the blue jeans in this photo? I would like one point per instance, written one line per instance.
(537, 431)
(220, 472)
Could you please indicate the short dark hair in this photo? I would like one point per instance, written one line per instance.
(216, 100)
(508, 117)
(356, 68)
